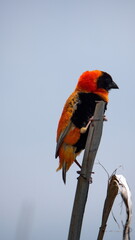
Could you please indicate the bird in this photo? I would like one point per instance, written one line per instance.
(77, 114)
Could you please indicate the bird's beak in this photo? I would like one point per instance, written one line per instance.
(114, 85)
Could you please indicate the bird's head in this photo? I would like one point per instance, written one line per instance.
(97, 82)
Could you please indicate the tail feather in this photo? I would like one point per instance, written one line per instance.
(64, 170)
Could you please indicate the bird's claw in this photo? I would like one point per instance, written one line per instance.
(104, 118)
(84, 129)
(83, 176)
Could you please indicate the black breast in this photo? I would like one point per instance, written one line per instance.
(84, 111)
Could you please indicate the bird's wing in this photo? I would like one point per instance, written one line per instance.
(61, 137)
(65, 123)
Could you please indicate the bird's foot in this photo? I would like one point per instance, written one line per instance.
(104, 118)
(84, 176)
(84, 129)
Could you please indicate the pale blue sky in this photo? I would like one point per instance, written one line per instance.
(44, 47)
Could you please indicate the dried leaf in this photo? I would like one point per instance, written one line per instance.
(117, 183)
(126, 196)
(112, 192)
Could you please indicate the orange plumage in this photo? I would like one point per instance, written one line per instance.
(92, 86)
(66, 150)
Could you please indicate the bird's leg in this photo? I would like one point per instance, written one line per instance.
(82, 175)
(78, 164)
(84, 129)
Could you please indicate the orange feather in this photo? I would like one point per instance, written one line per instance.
(66, 151)
(67, 112)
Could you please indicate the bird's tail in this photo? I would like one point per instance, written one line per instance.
(66, 157)
(64, 167)
(64, 170)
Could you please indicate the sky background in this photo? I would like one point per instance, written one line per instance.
(44, 48)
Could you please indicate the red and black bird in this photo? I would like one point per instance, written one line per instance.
(77, 113)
